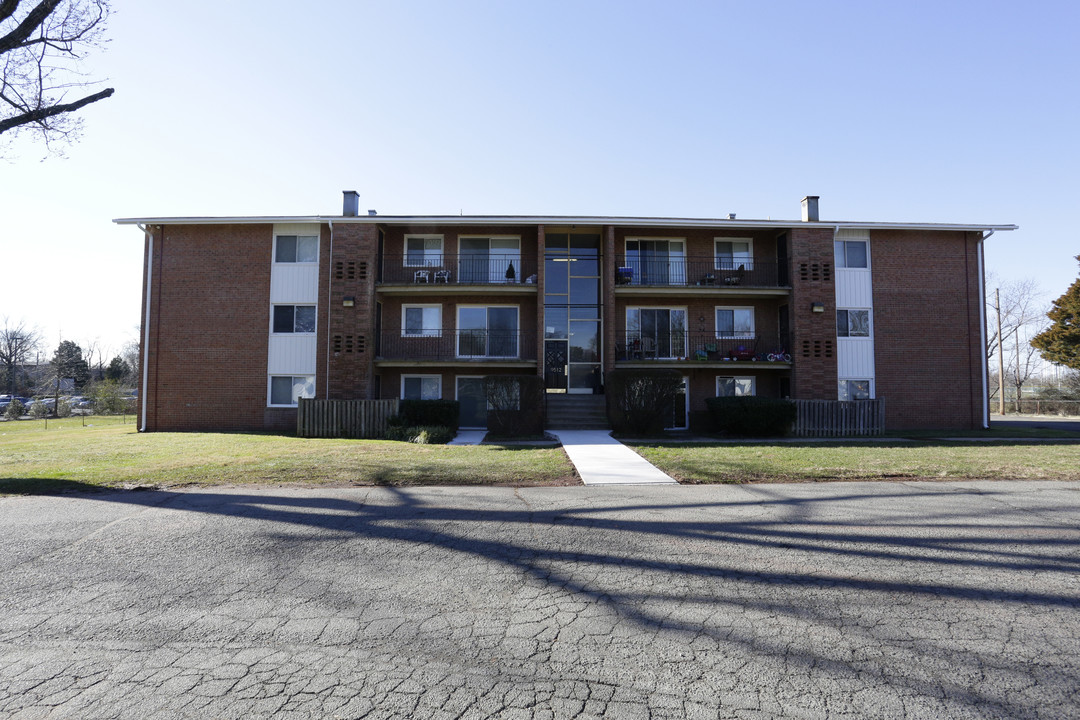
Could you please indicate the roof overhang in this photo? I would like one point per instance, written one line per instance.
(560, 220)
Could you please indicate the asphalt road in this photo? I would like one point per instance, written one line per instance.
(890, 600)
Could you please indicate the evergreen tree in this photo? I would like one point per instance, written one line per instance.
(68, 362)
(1060, 343)
(118, 370)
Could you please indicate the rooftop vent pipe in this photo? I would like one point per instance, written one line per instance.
(810, 208)
(372, 212)
(351, 205)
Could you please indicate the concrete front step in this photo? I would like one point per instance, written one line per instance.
(577, 412)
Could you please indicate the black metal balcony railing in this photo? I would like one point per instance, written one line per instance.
(453, 269)
(699, 271)
(697, 346)
(457, 345)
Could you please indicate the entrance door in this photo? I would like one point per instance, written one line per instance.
(572, 357)
(470, 394)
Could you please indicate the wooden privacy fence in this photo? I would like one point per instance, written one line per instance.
(839, 418)
(344, 418)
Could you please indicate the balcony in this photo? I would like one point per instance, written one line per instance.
(679, 346)
(448, 272)
(504, 348)
(706, 272)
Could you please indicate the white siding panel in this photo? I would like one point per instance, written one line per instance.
(854, 289)
(297, 229)
(854, 358)
(294, 283)
(292, 355)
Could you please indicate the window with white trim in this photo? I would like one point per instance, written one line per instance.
(734, 386)
(859, 389)
(485, 260)
(296, 249)
(421, 320)
(298, 319)
(655, 333)
(853, 323)
(852, 254)
(285, 390)
(734, 253)
(487, 331)
(423, 251)
(734, 322)
(421, 387)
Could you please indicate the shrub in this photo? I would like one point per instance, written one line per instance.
(108, 398)
(430, 412)
(638, 401)
(14, 410)
(515, 405)
(751, 416)
(421, 434)
(38, 410)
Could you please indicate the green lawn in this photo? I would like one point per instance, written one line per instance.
(819, 462)
(109, 453)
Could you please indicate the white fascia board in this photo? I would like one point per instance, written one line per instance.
(559, 220)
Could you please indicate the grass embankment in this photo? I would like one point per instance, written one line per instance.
(107, 453)
(822, 462)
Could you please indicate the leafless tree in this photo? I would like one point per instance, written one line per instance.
(17, 342)
(41, 46)
(1022, 309)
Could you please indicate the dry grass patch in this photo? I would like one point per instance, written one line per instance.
(109, 454)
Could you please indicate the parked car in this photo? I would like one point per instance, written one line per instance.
(5, 400)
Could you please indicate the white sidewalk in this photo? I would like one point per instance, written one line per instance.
(602, 460)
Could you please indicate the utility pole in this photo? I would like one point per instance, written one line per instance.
(1017, 342)
(1001, 357)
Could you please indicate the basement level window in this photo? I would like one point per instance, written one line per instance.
(855, 390)
(286, 390)
(296, 249)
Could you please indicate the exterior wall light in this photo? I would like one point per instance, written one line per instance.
(817, 307)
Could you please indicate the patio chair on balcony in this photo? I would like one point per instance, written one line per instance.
(736, 277)
(422, 276)
(442, 276)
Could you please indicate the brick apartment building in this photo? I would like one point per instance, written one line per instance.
(243, 315)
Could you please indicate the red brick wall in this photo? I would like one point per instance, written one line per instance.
(927, 338)
(209, 325)
(351, 330)
(813, 348)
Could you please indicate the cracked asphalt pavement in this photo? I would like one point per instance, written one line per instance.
(885, 600)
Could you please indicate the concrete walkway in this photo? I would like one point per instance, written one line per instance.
(468, 437)
(602, 460)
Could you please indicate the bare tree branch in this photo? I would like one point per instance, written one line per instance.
(46, 113)
(41, 48)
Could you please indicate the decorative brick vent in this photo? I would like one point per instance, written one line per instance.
(348, 343)
(815, 272)
(817, 348)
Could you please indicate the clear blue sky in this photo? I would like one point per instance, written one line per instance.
(920, 111)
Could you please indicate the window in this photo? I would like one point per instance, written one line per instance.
(734, 254)
(297, 249)
(851, 253)
(734, 386)
(285, 390)
(734, 322)
(485, 260)
(488, 331)
(421, 321)
(655, 262)
(853, 323)
(423, 250)
(653, 333)
(294, 319)
(421, 387)
(855, 390)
